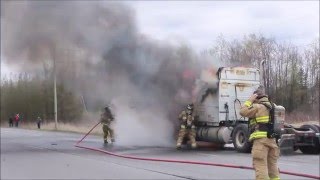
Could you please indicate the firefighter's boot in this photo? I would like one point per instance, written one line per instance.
(178, 146)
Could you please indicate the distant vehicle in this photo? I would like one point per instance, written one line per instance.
(218, 98)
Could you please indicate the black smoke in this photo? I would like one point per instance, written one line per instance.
(99, 53)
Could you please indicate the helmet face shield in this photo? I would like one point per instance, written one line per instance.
(190, 106)
(106, 109)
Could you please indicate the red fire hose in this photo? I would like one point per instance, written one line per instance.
(180, 161)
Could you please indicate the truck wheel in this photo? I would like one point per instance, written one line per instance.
(240, 137)
(311, 149)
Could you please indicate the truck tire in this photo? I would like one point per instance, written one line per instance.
(240, 137)
(311, 149)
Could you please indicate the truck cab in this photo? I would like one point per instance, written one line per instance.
(218, 98)
(220, 104)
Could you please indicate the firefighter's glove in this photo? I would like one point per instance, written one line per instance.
(184, 119)
(253, 97)
(189, 123)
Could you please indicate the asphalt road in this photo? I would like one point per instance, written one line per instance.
(33, 154)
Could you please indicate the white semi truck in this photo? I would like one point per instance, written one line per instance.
(218, 98)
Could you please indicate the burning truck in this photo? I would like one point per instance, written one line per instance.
(218, 96)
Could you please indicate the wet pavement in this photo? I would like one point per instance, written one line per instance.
(36, 154)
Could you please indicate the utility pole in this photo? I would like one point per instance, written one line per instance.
(55, 90)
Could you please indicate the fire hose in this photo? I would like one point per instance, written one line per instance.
(180, 161)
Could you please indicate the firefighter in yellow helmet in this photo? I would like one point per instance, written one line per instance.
(265, 151)
(187, 127)
(106, 119)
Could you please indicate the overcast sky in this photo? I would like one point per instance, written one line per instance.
(199, 23)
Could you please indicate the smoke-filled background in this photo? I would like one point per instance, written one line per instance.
(101, 56)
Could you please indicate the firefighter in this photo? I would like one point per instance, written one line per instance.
(265, 151)
(187, 127)
(106, 119)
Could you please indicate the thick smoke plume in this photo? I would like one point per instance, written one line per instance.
(101, 56)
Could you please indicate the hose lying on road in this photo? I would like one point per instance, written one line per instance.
(180, 161)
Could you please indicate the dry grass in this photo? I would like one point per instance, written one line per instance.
(84, 128)
(298, 124)
(65, 127)
(298, 118)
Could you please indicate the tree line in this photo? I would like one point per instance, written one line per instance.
(292, 76)
(32, 96)
(292, 79)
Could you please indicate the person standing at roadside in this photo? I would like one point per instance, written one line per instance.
(10, 121)
(39, 121)
(17, 119)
